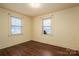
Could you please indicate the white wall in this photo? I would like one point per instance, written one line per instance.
(6, 39)
(65, 25)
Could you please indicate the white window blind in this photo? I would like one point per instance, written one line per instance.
(16, 25)
(47, 26)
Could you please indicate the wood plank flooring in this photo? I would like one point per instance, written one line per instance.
(33, 48)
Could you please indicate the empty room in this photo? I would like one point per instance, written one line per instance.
(39, 29)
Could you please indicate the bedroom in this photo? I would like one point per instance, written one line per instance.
(42, 27)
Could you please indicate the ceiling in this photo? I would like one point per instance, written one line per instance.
(44, 8)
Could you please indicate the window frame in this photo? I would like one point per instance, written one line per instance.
(15, 26)
(44, 26)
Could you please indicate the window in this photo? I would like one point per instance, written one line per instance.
(16, 25)
(47, 25)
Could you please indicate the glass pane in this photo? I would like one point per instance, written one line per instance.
(47, 29)
(16, 30)
(47, 22)
(16, 21)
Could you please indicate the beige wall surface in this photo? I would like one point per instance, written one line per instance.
(6, 39)
(65, 28)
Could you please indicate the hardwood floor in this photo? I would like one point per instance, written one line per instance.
(33, 48)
